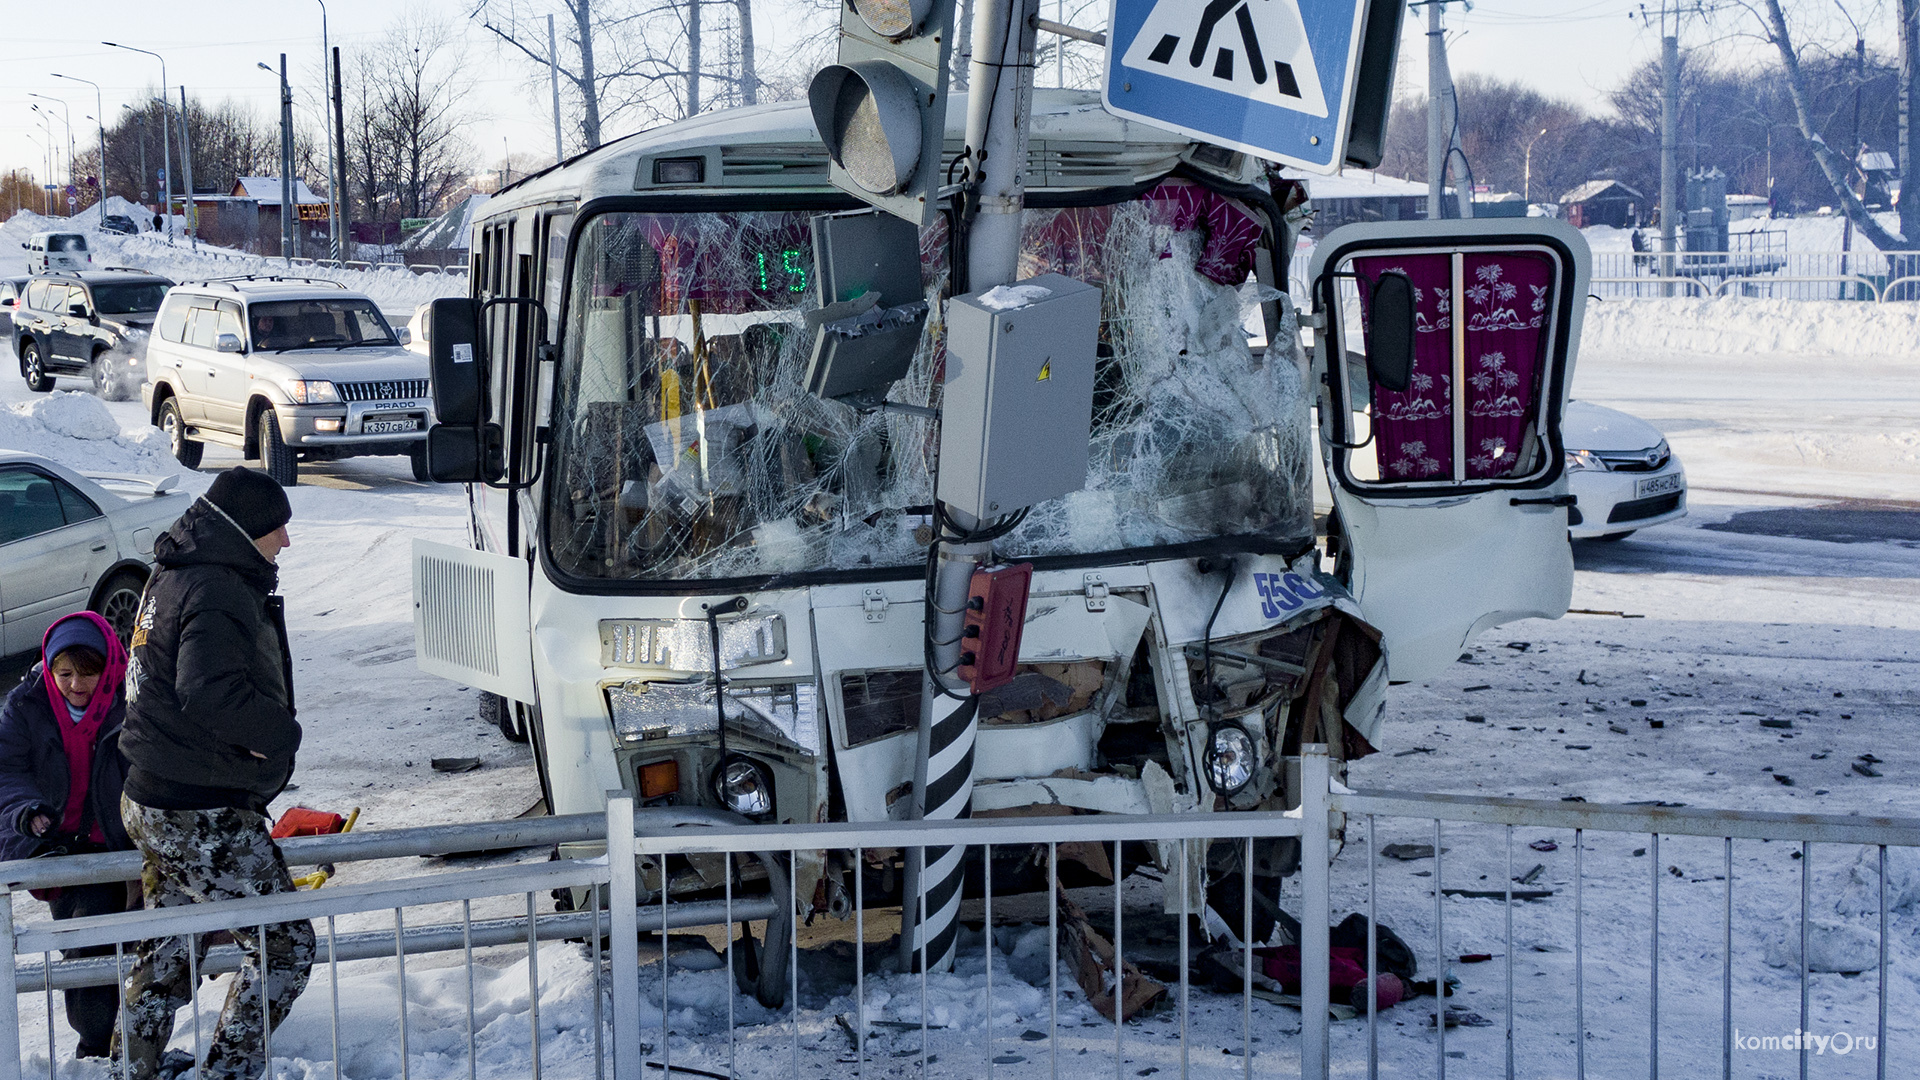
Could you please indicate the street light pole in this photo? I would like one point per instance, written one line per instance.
(333, 167)
(46, 197)
(1526, 183)
(166, 162)
(66, 118)
(100, 117)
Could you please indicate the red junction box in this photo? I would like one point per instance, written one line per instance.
(990, 637)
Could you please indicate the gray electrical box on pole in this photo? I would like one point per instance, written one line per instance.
(1019, 394)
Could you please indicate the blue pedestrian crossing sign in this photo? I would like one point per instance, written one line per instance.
(1272, 78)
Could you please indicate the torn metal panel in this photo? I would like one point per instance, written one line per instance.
(1099, 794)
(1091, 956)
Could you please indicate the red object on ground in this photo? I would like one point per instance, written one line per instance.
(1346, 973)
(300, 821)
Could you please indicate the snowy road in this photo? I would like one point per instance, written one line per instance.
(1789, 593)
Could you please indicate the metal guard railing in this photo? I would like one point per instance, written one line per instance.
(625, 917)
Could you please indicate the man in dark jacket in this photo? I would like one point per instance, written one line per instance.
(60, 779)
(210, 739)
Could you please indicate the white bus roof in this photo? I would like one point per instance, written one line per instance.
(1075, 143)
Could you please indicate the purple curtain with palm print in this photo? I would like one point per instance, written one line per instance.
(1508, 294)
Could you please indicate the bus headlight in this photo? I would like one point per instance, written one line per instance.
(1230, 758)
(744, 786)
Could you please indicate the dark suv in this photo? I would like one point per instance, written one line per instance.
(88, 323)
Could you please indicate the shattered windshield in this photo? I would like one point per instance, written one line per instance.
(686, 449)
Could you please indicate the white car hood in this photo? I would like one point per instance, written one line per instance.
(1585, 426)
(378, 364)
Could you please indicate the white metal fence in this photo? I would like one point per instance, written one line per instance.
(609, 940)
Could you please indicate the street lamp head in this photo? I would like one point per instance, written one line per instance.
(265, 68)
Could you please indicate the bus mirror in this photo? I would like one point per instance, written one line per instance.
(1390, 333)
(453, 454)
(453, 330)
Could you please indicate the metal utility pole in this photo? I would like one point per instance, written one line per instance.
(1669, 141)
(166, 163)
(344, 221)
(186, 161)
(1001, 78)
(553, 80)
(286, 162)
(100, 116)
(1443, 121)
(1437, 138)
(1853, 143)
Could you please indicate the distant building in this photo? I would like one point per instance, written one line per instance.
(248, 217)
(1500, 204)
(1360, 195)
(1603, 202)
(1742, 207)
(448, 239)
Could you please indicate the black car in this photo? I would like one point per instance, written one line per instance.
(88, 323)
(119, 223)
(10, 290)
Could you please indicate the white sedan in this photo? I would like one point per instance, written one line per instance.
(71, 542)
(1621, 470)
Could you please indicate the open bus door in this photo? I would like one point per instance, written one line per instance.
(1444, 351)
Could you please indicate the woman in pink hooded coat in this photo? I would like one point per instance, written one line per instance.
(60, 778)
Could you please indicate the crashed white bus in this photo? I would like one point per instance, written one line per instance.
(662, 511)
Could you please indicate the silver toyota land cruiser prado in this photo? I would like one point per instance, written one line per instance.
(285, 370)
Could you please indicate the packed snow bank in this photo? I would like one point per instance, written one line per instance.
(397, 291)
(1798, 234)
(1733, 326)
(77, 430)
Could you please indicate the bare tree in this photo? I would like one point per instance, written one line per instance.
(422, 85)
(406, 155)
(1837, 169)
(644, 60)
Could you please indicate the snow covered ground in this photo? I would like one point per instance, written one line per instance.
(396, 291)
(1789, 593)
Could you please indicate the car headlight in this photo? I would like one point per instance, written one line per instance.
(311, 392)
(1582, 460)
(1230, 758)
(744, 786)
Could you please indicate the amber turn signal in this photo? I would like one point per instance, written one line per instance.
(659, 778)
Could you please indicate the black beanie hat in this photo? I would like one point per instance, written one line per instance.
(252, 499)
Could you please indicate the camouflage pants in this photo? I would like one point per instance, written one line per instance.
(194, 856)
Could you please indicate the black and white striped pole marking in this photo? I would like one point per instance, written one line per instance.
(943, 770)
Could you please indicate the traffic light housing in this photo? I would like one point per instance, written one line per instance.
(882, 108)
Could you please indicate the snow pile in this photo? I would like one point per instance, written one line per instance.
(77, 430)
(1832, 946)
(1732, 326)
(397, 292)
(75, 415)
